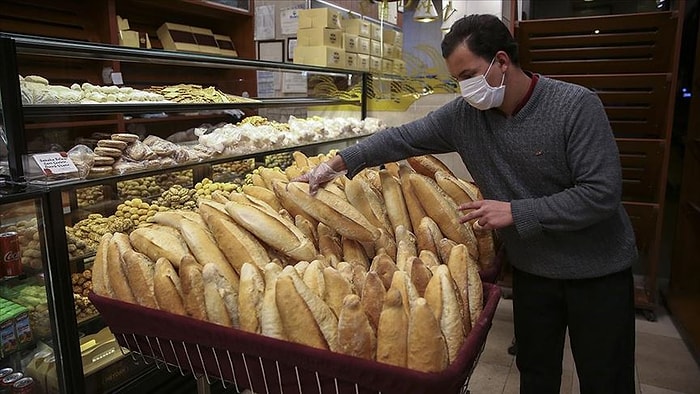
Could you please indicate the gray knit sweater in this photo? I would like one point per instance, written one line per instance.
(556, 161)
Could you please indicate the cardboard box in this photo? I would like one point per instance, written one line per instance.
(399, 67)
(205, 40)
(398, 39)
(319, 17)
(129, 38)
(122, 23)
(176, 37)
(362, 62)
(387, 66)
(363, 45)
(388, 52)
(351, 60)
(391, 36)
(324, 56)
(375, 48)
(376, 31)
(320, 36)
(357, 27)
(375, 64)
(350, 42)
(398, 52)
(225, 45)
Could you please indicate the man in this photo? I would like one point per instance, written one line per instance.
(543, 154)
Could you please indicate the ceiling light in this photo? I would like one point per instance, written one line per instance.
(425, 12)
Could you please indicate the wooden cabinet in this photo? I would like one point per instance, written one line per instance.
(631, 62)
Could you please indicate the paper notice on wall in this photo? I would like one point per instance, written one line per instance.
(266, 84)
(265, 22)
(294, 83)
(289, 21)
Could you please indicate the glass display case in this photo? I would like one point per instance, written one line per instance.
(178, 127)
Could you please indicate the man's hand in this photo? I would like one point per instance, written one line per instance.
(491, 214)
(319, 176)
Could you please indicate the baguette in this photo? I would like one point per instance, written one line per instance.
(193, 288)
(405, 253)
(273, 229)
(430, 259)
(360, 194)
(298, 321)
(263, 194)
(100, 277)
(428, 235)
(354, 252)
(167, 288)
(307, 228)
(224, 309)
(428, 165)
(329, 245)
(394, 201)
(237, 244)
(373, 293)
(476, 291)
(420, 275)
(272, 175)
(443, 211)
(485, 244)
(159, 241)
(415, 209)
(250, 298)
(445, 246)
(427, 349)
(118, 245)
(337, 287)
(385, 267)
(458, 264)
(331, 210)
(453, 187)
(139, 274)
(387, 243)
(300, 159)
(203, 246)
(392, 168)
(289, 202)
(313, 278)
(408, 291)
(270, 320)
(392, 331)
(443, 298)
(355, 334)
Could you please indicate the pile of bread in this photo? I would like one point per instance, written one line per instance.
(377, 267)
(37, 90)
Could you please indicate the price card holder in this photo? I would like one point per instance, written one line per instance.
(50, 166)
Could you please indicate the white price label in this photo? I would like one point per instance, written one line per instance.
(55, 163)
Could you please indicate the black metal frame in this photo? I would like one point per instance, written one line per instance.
(11, 105)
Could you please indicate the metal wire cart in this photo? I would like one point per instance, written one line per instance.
(266, 365)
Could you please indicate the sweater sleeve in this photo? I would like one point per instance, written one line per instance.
(593, 160)
(430, 134)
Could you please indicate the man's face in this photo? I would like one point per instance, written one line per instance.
(463, 64)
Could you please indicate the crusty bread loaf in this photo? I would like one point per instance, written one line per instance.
(159, 241)
(485, 244)
(313, 278)
(354, 252)
(430, 259)
(139, 274)
(387, 243)
(373, 293)
(359, 193)
(228, 297)
(204, 248)
(337, 287)
(420, 274)
(329, 244)
(298, 321)
(476, 291)
(453, 187)
(333, 211)
(271, 175)
(236, 243)
(405, 252)
(471, 189)
(273, 229)
(100, 277)
(394, 201)
(408, 291)
(118, 245)
(445, 246)
(167, 288)
(458, 262)
(270, 320)
(428, 165)
(307, 228)
(443, 298)
(392, 332)
(193, 288)
(300, 159)
(428, 235)
(427, 349)
(415, 210)
(385, 267)
(356, 336)
(250, 297)
(263, 194)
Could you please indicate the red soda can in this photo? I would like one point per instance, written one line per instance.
(10, 254)
(23, 386)
(10, 379)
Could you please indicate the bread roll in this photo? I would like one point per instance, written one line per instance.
(373, 293)
(273, 229)
(116, 272)
(250, 298)
(415, 210)
(428, 165)
(394, 201)
(167, 288)
(333, 211)
(100, 277)
(236, 243)
(337, 287)
(427, 349)
(270, 320)
(443, 211)
(355, 334)
(385, 267)
(222, 305)
(159, 241)
(443, 298)
(193, 288)
(458, 263)
(139, 274)
(392, 331)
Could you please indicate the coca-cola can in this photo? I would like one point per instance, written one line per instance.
(23, 386)
(10, 379)
(10, 253)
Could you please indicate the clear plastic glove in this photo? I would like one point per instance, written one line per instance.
(319, 176)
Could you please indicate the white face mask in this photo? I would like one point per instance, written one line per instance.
(479, 94)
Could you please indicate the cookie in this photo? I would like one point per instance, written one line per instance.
(121, 145)
(111, 152)
(103, 161)
(126, 137)
(100, 170)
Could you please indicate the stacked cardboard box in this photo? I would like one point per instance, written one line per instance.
(131, 38)
(320, 39)
(177, 37)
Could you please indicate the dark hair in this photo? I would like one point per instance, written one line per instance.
(484, 35)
